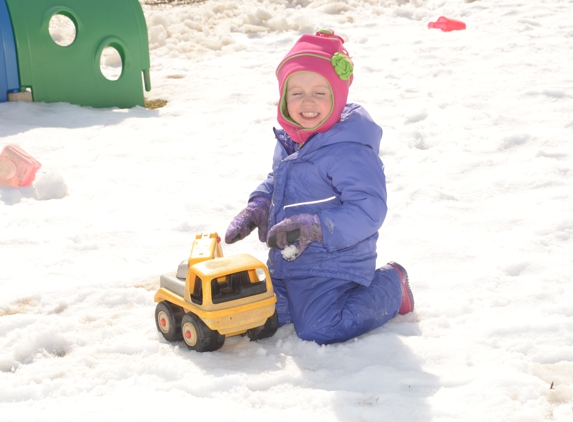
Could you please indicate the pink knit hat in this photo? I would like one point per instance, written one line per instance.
(323, 54)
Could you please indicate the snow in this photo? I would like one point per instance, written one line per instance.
(289, 253)
(477, 130)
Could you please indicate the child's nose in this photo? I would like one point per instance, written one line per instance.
(307, 98)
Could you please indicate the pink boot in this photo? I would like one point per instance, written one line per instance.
(407, 305)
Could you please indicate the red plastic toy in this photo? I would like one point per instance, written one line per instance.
(17, 168)
(447, 24)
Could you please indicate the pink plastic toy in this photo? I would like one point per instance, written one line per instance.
(17, 168)
(447, 24)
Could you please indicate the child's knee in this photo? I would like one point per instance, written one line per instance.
(311, 334)
(321, 333)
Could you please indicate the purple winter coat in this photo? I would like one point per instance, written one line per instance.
(338, 175)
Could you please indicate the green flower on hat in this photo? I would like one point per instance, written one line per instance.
(342, 66)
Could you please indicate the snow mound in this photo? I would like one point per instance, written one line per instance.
(220, 26)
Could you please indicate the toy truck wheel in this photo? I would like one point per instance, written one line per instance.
(197, 336)
(168, 320)
(268, 330)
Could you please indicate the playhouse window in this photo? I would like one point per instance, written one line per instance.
(110, 63)
(62, 30)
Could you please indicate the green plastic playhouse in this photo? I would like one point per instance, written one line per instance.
(72, 73)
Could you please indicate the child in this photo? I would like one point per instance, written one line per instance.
(328, 183)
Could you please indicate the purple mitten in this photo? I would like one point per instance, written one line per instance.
(310, 231)
(255, 215)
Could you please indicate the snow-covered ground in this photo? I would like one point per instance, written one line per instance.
(478, 129)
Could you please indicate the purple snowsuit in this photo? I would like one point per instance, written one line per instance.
(332, 292)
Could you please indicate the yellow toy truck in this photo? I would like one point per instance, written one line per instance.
(212, 297)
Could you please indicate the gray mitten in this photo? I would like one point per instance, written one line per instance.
(309, 229)
(256, 214)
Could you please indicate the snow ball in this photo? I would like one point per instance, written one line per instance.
(193, 25)
(304, 24)
(263, 14)
(253, 29)
(213, 44)
(335, 8)
(157, 19)
(289, 253)
(50, 185)
(252, 19)
(157, 36)
(278, 24)
(178, 28)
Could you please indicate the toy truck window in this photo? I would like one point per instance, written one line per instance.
(236, 286)
(196, 289)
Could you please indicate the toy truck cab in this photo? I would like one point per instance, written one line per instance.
(212, 297)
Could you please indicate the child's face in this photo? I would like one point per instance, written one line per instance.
(308, 98)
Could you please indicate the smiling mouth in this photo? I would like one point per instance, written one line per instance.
(309, 115)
